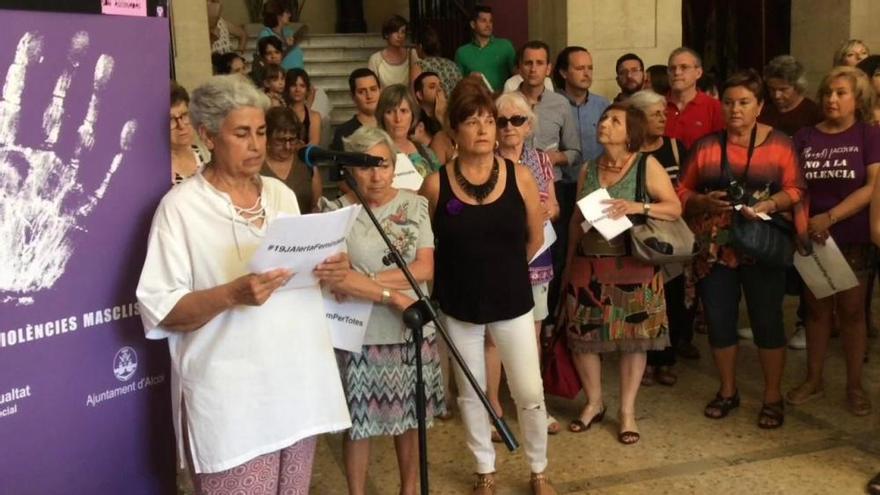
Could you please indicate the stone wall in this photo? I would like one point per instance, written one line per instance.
(192, 51)
(608, 29)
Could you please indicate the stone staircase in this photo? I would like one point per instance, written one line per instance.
(329, 59)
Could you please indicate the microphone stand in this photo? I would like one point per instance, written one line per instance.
(415, 318)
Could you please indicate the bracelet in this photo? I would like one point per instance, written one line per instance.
(831, 217)
(386, 296)
(646, 208)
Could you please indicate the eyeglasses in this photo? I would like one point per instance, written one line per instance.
(180, 120)
(516, 120)
(288, 141)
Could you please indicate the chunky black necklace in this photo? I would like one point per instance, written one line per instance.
(477, 191)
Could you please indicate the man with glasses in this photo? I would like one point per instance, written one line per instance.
(630, 76)
(690, 113)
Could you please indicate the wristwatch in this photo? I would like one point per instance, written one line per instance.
(646, 208)
(386, 296)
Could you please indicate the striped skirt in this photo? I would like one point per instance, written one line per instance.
(380, 384)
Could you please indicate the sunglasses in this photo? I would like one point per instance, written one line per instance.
(516, 120)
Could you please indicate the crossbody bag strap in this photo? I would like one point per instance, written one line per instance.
(641, 179)
(674, 145)
(725, 165)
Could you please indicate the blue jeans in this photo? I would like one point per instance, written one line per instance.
(764, 289)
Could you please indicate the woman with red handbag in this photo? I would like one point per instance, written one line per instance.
(614, 302)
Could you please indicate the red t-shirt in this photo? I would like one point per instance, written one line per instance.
(701, 116)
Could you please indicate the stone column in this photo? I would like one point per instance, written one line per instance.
(818, 27)
(608, 29)
(191, 46)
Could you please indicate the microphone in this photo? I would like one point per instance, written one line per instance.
(311, 155)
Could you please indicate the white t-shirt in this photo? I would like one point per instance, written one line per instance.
(254, 379)
(391, 74)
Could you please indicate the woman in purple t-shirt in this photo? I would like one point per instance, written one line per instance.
(840, 157)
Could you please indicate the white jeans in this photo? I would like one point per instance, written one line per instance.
(518, 348)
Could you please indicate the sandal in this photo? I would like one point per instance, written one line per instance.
(485, 484)
(858, 403)
(772, 415)
(721, 404)
(873, 487)
(553, 426)
(628, 437)
(541, 484)
(578, 425)
(804, 393)
(665, 376)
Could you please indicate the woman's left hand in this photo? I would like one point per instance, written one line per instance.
(620, 207)
(334, 269)
(818, 227)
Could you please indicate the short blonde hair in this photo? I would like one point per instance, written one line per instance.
(516, 100)
(840, 54)
(861, 86)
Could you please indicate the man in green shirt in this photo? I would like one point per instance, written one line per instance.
(492, 57)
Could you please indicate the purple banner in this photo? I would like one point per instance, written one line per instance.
(84, 159)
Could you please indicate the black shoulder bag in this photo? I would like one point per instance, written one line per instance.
(770, 242)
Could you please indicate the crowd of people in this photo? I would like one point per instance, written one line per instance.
(507, 141)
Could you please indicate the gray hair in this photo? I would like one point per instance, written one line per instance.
(366, 137)
(644, 99)
(690, 51)
(391, 97)
(211, 102)
(516, 100)
(788, 69)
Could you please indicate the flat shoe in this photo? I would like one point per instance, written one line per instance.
(628, 437)
(858, 402)
(553, 426)
(772, 415)
(804, 393)
(722, 404)
(541, 484)
(665, 376)
(873, 487)
(485, 484)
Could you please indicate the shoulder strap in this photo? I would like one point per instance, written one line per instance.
(641, 179)
(725, 165)
(674, 144)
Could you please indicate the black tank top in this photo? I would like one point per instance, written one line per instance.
(481, 272)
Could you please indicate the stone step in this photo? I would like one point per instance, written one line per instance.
(373, 41)
(333, 54)
(333, 69)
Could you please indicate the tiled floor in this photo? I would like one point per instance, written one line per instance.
(822, 449)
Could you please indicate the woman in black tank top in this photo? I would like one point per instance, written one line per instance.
(488, 224)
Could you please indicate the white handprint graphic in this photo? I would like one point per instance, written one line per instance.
(41, 198)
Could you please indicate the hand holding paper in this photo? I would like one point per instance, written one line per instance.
(593, 208)
(302, 243)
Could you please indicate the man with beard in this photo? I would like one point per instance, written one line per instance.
(630, 76)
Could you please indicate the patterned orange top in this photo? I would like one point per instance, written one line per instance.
(774, 168)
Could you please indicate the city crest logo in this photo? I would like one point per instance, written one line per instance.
(125, 364)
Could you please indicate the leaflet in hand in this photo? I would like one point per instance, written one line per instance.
(549, 239)
(347, 321)
(826, 270)
(405, 174)
(300, 243)
(593, 208)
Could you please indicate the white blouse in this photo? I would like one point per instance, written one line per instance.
(254, 379)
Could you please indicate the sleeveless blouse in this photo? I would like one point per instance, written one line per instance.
(481, 271)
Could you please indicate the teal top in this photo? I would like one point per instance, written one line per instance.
(496, 60)
(295, 57)
(625, 188)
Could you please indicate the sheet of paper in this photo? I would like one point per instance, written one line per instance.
(549, 239)
(405, 174)
(347, 321)
(300, 243)
(593, 208)
(825, 271)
